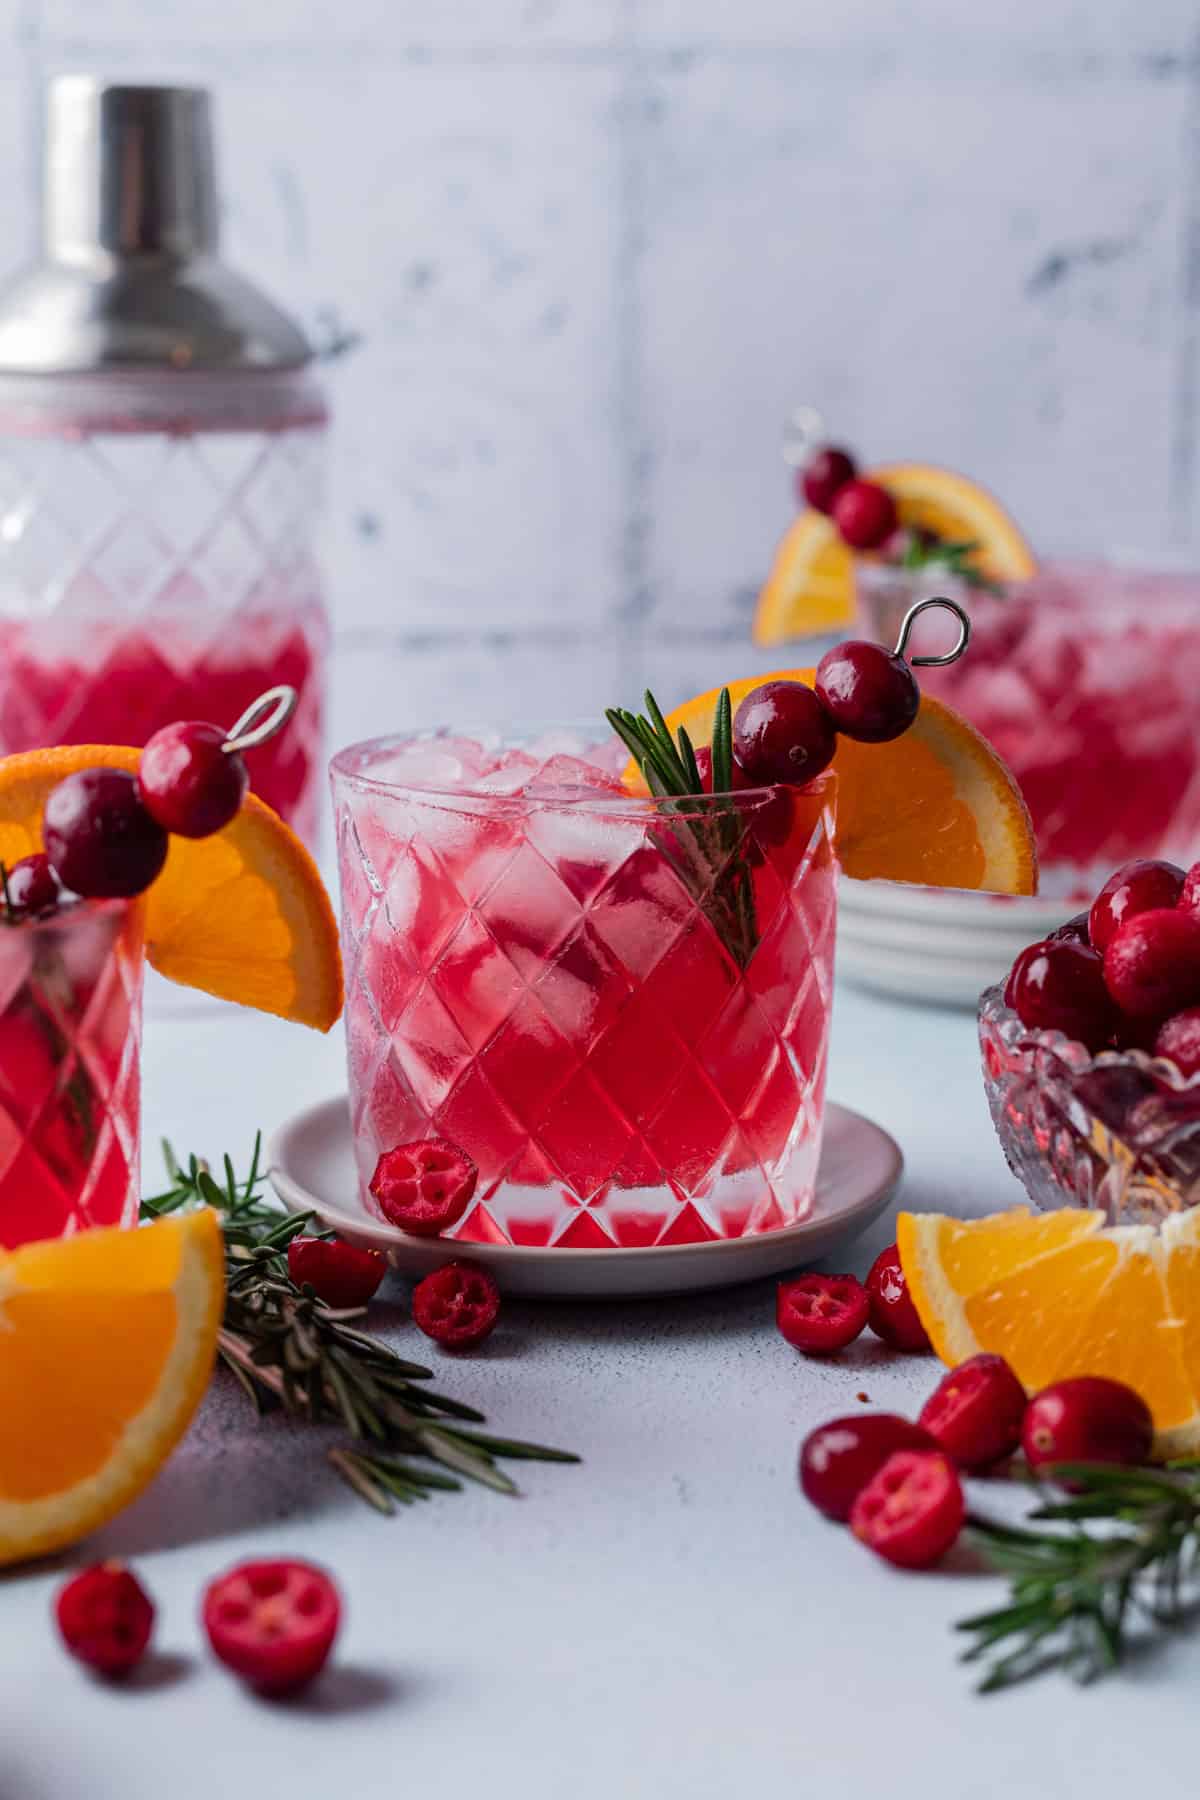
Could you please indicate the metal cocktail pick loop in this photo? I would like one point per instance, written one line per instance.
(272, 711)
(906, 625)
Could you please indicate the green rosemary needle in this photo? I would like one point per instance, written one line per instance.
(289, 1350)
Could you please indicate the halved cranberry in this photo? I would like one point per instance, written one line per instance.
(105, 1617)
(101, 841)
(457, 1306)
(1059, 985)
(1152, 963)
(782, 733)
(865, 514)
(1087, 1419)
(821, 1313)
(339, 1273)
(976, 1411)
(824, 476)
(32, 886)
(1137, 887)
(869, 693)
(892, 1314)
(1179, 1040)
(273, 1623)
(838, 1459)
(424, 1187)
(189, 782)
(912, 1511)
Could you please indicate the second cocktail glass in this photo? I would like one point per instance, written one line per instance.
(617, 1007)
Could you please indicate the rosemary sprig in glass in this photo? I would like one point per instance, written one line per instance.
(1123, 1551)
(289, 1350)
(949, 557)
(705, 845)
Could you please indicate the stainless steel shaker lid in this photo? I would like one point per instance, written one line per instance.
(129, 276)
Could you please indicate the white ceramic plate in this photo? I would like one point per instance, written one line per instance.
(311, 1167)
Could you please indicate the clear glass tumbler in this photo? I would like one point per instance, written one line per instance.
(70, 1037)
(618, 1007)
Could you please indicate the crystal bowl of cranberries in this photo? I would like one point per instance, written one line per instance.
(1091, 1051)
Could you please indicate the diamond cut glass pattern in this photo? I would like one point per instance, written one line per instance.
(70, 1033)
(550, 979)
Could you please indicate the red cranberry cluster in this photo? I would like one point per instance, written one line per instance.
(863, 511)
(273, 1623)
(1126, 974)
(899, 1484)
(823, 1313)
(424, 1188)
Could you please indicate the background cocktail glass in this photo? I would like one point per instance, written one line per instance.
(618, 1007)
(70, 1036)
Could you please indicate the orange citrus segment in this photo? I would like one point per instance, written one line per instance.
(107, 1343)
(811, 584)
(243, 915)
(1061, 1294)
(935, 806)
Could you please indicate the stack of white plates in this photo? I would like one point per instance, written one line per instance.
(940, 945)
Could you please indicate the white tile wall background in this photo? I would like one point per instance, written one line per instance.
(597, 249)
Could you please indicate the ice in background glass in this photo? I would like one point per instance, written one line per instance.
(617, 1007)
(1087, 681)
(70, 1034)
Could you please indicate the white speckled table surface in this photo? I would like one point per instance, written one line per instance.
(670, 1619)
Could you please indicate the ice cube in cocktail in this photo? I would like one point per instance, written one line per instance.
(70, 1030)
(560, 978)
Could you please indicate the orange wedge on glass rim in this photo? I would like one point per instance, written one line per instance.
(242, 915)
(1061, 1294)
(811, 584)
(107, 1343)
(936, 806)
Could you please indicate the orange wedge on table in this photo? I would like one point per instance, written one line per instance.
(810, 587)
(935, 806)
(1061, 1294)
(243, 915)
(107, 1343)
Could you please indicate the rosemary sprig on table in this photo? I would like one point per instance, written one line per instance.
(705, 845)
(289, 1350)
(1124, 1551)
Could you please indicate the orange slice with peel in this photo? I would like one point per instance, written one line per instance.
(107, 1343)
(811, 584)
(1061, 1294)
(242, 915)
(936, 806)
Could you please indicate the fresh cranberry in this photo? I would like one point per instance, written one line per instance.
(1059, 985)
(782, 733)
(1152, 964)
(976, 1412)
(188, 782)
(106, 1617)
(272, 1623)
(32, 886)
(1087, 1419)
(820, 1313)
(339, 1273)
(912, 1511)
(1074, 931)
(865, 514)
(704, 764)
(838, 1459)
(1138, 887)
(101, 841)
(424, 1187)
(457, 1305)
(825, 475)
(869, 693)
(1179, 1040)
(893, 1317)
(1189, 898)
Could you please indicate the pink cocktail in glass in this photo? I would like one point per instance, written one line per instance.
(617, 1007)
(70, 1032)
(1085, 679)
